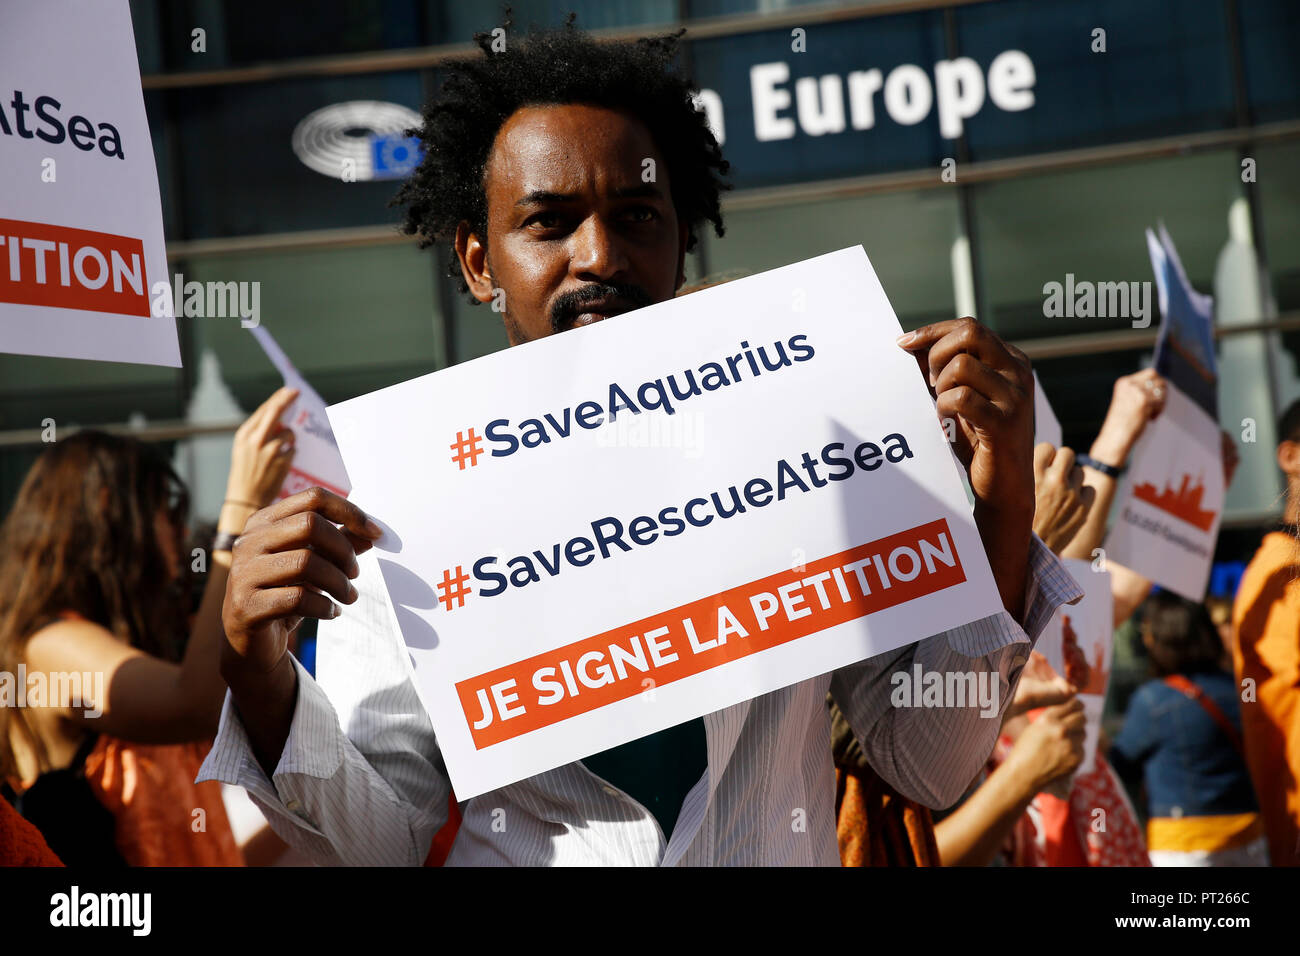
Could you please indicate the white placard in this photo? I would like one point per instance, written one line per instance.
(1089, 627)
(1167, 520)
(497, 480)
(316, 458)
(1047, 428)
(81, 237)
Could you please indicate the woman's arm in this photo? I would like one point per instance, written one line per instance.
(1136, 400)
(1049, 749)
(138, 697)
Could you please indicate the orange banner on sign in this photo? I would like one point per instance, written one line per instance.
(67, 268)
(588, 674)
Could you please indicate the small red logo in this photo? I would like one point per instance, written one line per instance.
(1185, 503)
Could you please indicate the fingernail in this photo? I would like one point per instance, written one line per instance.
(335, 611)
(373, 529)
(352, 592)
(906, 338)
(932, 380)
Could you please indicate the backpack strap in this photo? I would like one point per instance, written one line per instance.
(1180, 683)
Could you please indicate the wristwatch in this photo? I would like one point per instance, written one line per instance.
(224, 541)
(1087, 461)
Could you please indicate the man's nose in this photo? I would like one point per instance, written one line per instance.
(596, 251)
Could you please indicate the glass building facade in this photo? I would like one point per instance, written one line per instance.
(845, 123)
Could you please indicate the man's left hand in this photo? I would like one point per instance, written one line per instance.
(986, 388)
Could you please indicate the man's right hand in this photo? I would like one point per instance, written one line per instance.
(290, 556)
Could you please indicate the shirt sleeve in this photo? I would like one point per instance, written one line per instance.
(931, 754)
(374, 795)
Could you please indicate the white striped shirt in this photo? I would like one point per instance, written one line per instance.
(375, 793)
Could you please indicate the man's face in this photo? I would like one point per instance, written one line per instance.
(580, 227)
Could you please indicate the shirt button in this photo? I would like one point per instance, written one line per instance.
(293, 806)
(611, 791)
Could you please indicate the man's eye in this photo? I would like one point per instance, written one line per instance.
(545, 220)
(641, 214)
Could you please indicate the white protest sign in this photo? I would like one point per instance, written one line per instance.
(1172, 499)
(1077, 643)
(560, 595)
(83, 268)
(1047, 428)
(1185, 345)
(1169, 508)
(316, 458)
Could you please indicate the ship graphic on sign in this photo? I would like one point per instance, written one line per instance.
(1185, 503)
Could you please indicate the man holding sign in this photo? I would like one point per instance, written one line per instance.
(535, 172)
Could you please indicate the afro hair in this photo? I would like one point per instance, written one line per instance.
(639, 77)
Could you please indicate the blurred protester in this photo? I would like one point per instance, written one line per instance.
(1266, 658)
(93, 601)
(1136, 400)
(1182, 737)
(1034, 807)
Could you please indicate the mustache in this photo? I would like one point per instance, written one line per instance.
(569, 305)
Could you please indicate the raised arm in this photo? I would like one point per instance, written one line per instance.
(147, 699)
(1135, 400)
(1050, 749)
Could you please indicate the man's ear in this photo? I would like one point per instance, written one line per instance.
(1288, 458)
(683, 233)
(472, 253)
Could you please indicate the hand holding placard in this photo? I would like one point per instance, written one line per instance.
(289, 557)
(1136, 400)
(1051, 748)
(986, 387)
(1063, 501)
(262, 453)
